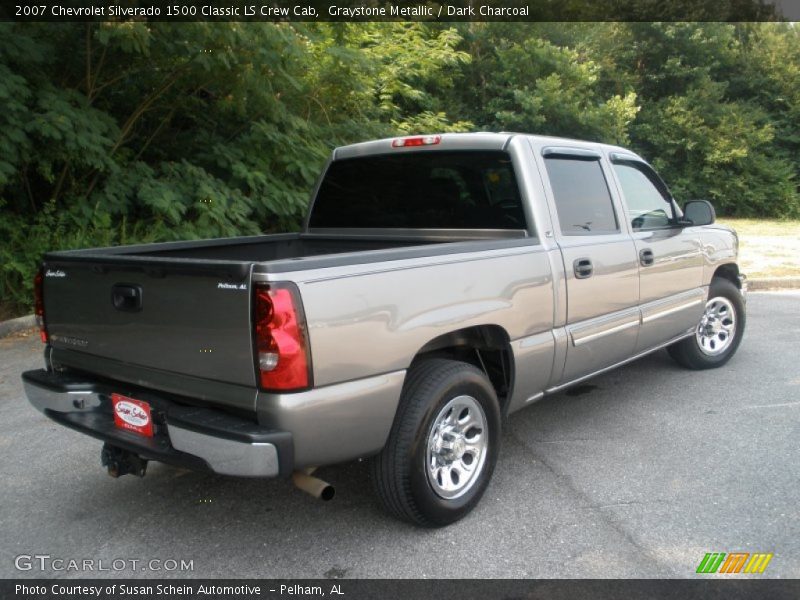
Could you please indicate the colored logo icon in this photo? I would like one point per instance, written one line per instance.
(734, 562)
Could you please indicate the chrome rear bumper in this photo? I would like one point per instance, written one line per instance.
(197, 438)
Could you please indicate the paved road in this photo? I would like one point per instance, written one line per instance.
(637, 474)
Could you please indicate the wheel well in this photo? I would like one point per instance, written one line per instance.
(730, 272)
(485, 346)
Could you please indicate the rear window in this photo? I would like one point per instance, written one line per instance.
(421, 190)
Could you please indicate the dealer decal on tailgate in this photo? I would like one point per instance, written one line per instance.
(132, 415)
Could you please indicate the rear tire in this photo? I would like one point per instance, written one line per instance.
(443, 445)
(719, 332)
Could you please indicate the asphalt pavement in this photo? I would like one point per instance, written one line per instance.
(637, 473)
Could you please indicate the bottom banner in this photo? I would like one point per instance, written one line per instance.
(402, 589)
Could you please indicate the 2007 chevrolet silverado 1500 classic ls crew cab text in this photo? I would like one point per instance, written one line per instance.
(440, 283)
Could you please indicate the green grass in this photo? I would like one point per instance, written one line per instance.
(767, 248)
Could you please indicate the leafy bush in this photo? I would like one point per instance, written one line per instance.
(128, 132)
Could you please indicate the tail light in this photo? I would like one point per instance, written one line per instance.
(38, 304)
(282, 356)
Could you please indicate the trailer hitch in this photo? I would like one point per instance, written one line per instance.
(122, 462)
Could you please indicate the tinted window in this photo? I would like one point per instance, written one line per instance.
(440, 190)
(582, 198)
(647, 207)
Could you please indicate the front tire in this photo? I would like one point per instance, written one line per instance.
(443, 445)
(719, 332)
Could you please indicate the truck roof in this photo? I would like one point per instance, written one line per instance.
(463, 141)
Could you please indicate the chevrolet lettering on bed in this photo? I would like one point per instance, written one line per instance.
(440, 284)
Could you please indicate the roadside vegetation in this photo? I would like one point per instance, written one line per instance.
(114, 133)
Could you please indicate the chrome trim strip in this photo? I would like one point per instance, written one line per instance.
(560, 387)
(534, 398)
(227, 457)
(669, 311)
(579, 341)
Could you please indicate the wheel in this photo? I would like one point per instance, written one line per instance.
(719, 331)
(443, 445)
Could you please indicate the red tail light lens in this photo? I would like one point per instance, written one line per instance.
(38, 304)
(281, 345)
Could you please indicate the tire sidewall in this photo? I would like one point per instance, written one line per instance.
(441, 510)
(727, 290)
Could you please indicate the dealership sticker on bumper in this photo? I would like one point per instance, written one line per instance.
(132, 415)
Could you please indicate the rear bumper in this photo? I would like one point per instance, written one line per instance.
(187, 436)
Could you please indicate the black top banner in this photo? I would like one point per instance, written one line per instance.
(399, 10)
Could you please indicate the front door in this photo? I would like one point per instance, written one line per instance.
(670, 257)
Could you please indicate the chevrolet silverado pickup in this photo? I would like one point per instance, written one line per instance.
(439, 284)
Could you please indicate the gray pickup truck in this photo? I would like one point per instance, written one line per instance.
(440, 283)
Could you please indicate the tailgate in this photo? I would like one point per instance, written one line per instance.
(190, 321)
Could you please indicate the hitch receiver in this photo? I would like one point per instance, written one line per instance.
(122, 462)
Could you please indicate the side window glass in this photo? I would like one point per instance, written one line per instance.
(583, 201)
(647, 207)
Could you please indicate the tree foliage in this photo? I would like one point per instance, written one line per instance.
(132, 132)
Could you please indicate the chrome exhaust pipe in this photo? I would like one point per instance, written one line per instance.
(322, 490)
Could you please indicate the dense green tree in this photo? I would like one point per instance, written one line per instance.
(709, 139)
(130, 132)
(133, 132)
(519, 80)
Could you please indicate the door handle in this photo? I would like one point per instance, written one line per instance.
(646, 257)
(126, 297)
(583, 268)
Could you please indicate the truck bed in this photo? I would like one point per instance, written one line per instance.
(188, 323)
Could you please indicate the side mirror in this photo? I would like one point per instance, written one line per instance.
(698, 212)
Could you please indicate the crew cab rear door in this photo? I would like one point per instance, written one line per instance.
(599, 257)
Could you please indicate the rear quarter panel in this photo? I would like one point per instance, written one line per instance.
(369, 319)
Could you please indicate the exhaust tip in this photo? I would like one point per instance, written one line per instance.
(314, 486)
(327, 493)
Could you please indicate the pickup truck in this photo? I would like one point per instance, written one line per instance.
(439, 284)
